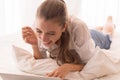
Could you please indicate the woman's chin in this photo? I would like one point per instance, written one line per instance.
(47, 46)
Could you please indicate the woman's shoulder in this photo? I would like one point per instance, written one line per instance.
(75, 22)
(74, 19)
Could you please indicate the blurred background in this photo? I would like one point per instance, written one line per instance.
(15, 14)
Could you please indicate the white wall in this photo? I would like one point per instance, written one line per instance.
(15, 14)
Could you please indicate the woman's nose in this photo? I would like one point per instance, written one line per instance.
(44, 37)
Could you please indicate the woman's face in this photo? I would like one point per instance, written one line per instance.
(48, 31)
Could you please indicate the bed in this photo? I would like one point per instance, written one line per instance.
(7, 62)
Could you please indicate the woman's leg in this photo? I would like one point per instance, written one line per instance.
(100, 39)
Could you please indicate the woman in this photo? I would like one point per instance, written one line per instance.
(64, 39)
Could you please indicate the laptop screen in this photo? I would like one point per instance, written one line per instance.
(7, 76)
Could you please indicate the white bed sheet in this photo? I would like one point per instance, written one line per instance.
(7, 63)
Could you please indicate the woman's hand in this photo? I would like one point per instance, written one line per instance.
(29, 35)
(60, 72)
(63, 70)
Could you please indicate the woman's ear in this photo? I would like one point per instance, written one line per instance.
(64, 27)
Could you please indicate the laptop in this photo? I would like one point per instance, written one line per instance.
(7, 76)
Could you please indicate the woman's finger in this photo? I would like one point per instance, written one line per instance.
(50, 74)
(26, 30)
(55, 74)
(26, 34)
(60, 76)
(27, 39)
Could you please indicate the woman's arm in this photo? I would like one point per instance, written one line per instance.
(36, 52)
(75, 67)
(30, 38)
(64, 69)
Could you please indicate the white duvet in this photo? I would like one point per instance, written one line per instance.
(101, 65)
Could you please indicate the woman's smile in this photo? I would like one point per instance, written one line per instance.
(47, 43)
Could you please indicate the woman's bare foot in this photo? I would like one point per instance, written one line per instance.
(109, 26)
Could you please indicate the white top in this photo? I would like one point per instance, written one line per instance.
(80, 40)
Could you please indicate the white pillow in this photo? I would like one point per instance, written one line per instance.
(27, 63)
(102, 64)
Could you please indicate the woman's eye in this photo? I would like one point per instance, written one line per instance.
(38, 31)
(51, 33)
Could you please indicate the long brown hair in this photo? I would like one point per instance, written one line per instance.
(56, 9)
